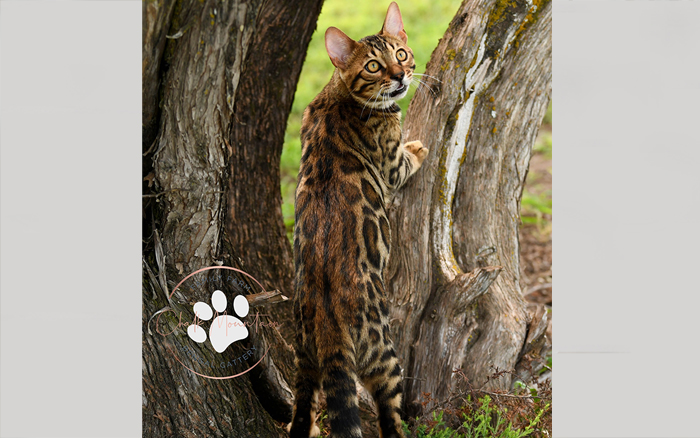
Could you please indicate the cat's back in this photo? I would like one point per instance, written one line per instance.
(332, 128)
(337, 190)
(336, 152)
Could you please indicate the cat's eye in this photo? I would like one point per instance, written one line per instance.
(372, 66)
(401, 55)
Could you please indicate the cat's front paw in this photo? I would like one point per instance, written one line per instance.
(416, 148)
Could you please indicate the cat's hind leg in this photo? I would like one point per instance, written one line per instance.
(340, 387)
(382, 378)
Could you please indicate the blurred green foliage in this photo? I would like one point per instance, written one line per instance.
(425, 22)
(543, 144)
(536, 202)
(535, 206)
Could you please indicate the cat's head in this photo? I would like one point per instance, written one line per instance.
(378, 69)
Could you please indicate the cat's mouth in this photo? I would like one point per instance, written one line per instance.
(398, 91)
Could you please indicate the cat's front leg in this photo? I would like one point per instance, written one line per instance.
(408, 161)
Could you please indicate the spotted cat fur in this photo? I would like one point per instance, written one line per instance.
(352, 160)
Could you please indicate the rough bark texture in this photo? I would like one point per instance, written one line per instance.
(454, 269)
(487, 202)
(156, 17)
(218, 90)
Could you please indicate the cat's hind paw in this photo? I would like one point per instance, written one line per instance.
(313, 433)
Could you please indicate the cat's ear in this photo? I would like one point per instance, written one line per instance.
(339, 47)
(393, 24)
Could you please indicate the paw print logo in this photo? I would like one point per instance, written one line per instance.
(225, 329)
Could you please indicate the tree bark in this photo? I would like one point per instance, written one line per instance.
(453, 277)
(156, 21)
(219, 80)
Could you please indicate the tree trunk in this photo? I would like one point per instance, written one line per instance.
(453, 277)
(219, 80)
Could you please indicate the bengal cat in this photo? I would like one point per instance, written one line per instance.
(351, 161)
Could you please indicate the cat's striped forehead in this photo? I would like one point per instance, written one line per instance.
(380, 44)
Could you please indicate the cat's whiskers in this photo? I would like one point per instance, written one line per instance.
(376, 99)
(418, 88)
(411, 82)
(428, 76)
(426, 86)
(425, 77)
(384, 101)
(365, 106)
(373, 104)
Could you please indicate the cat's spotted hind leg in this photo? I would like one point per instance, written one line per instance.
(307, 386)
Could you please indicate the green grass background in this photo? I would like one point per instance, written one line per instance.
(425, 22)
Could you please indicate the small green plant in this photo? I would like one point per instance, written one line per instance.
(548, 366)
(486, 421)
(322, 416)
(437, 429)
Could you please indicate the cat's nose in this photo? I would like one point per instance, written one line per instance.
(398, 76)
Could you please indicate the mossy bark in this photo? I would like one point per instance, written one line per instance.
(219, 80)
(454, 272)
